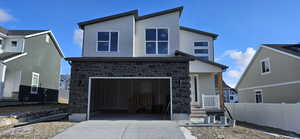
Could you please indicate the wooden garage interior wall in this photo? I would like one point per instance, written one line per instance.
(130, 94)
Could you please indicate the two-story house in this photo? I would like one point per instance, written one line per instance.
(272, 76)
(144, 65)
(29, 66)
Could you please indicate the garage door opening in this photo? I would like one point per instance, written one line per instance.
(129, 99)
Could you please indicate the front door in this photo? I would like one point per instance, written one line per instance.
(194, 90)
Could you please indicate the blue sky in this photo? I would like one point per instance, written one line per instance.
(242, 25)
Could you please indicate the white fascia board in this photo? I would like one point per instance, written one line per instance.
(15, 57)
(282, 52)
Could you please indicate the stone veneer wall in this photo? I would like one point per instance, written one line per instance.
(82, 70)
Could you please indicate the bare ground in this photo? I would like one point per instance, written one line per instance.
(44, 130)
(237, 132)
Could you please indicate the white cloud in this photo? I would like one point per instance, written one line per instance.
(78, 37)
(241, 60)
(5, 16)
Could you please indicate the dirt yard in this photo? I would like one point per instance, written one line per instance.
(238, 132)
(42, 130)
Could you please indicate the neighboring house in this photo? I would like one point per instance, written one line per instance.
(273, 75)
(64, 88)
(230, 94)
(144, 64)
(30, 65)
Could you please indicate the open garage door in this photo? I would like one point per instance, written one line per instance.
(130, 98)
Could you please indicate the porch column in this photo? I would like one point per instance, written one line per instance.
(221, 90)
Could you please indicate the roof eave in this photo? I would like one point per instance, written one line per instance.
(107, 18)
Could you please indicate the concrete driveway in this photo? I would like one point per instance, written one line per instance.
(123, 129)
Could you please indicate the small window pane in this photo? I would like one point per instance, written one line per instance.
(150, 47)
(162, 34)
(204, 57)
(162, 47)
(102, 46)
(114, 41)
(14, 43)
(150, 34)
(201, 44)
(201, 51)
(0, 41)
(103, 36)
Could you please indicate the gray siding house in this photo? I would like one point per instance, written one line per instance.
(144, 65)
(30, 65)
(273, 75)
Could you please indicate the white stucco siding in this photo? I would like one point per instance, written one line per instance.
(187, 40)
(170, 21)
(124, 26)
(198, 66)
(7, 44)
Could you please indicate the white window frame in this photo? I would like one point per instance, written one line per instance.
(261, 93)
(156, 41)
(109, 41)
(201, 47)
(266, 60)
(32, 83)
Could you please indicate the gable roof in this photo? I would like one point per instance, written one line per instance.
(161, 13)
(287, 48)
(199, 32)
(8, 55)
(177, 52)
(102, 19)
(133, 12)
(19, 32)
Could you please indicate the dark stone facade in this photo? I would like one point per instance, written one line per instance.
(82, 70)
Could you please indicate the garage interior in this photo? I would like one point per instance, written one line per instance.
(130, 99)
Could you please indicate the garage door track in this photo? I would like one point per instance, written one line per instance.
(123, 129)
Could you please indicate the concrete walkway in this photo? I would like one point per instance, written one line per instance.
(124, 129)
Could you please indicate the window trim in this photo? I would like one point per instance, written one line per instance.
(199, 47)
(37, 86)
(202, 47)
(109, 41)
(261, 68)
(156, 41)
(261, 93)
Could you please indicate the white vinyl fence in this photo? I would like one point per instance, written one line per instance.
(282, 116)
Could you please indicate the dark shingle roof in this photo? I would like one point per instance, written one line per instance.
(19, 32)
(120, 59)
(196, 58)
(288, 48)
(102, 19)
(160, 13)
(133, 12)
(199, 31)
(8, 55)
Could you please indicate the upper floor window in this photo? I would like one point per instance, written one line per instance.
(1, 41)
(157, 41)
(14, 43)
(265, 66)
(201, 51)
(201, 44)
(107, 41)
(203, 57)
